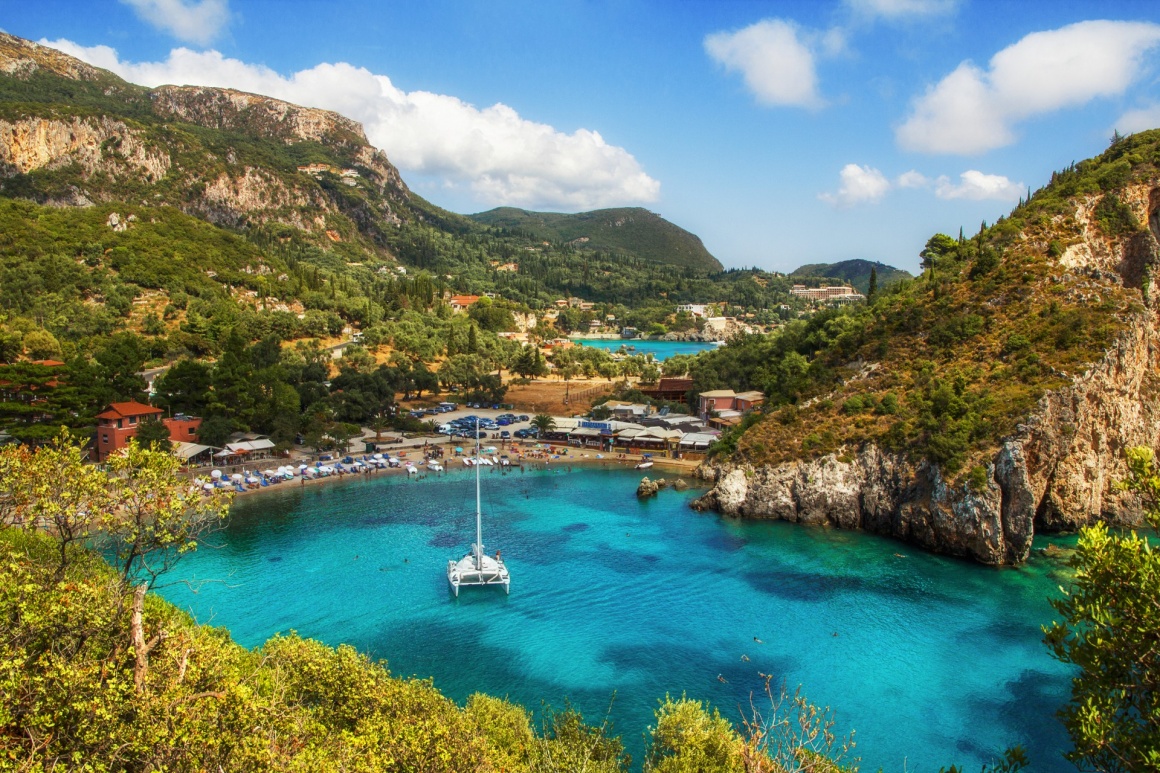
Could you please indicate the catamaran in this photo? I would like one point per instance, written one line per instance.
(478, 568)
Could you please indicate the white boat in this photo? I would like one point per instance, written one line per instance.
(644, 465)
(478, 568)
(434, 466)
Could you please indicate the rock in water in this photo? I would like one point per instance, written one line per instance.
(647, 488)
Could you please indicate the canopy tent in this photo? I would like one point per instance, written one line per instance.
(186, 451)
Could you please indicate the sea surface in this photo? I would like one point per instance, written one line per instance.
(931, 660)
(661, 350)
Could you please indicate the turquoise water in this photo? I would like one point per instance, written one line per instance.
(661, 350)
(933, 661)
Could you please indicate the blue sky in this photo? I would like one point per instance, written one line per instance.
(781, 133)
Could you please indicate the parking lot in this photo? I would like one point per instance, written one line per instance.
(488, 432)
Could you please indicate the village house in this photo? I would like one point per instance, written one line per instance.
(120, 422)
(673, 390)
(726, 407)
(460, 303)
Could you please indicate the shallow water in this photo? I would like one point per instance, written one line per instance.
(661, 350)
(933, 661)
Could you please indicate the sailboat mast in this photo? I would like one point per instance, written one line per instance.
(478, 515)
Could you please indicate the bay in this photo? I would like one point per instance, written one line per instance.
(661, 350)
(932, 660)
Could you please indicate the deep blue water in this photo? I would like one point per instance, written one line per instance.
(661, 350)
(933, 661)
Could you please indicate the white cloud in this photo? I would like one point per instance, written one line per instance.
(976, 186)
(973, 111)
(1138, 120)
(859, 185)
(912, 179)
(775, 60)
(501, 157)
(188, 20)
(898, 9)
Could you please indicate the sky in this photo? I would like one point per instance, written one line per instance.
(781, 133)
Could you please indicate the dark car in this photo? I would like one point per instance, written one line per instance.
(431, 412)
(504, 422)
(505, 435)
(522, 417)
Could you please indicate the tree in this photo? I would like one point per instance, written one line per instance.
(153, 434)
(1111, 631)
(872, 290)
(54, 488)
(185, 387)
(42, 345)
(937, 247)
(156, 516)
(543, 422)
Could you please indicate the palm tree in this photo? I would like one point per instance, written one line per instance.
(543, 422)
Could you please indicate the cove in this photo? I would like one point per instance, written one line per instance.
(661, 350)
(931, 660)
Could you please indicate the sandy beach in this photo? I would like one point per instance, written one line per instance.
(528, 457)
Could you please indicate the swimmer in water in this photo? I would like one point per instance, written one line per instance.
(759, 641)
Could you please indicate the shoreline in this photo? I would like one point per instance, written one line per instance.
(680, 468)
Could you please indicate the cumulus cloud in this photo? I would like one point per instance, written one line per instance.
(899, 9)
(858, 185)
(776, 60)
(973, 110)
(975, 186)
(193, 22)
(1138, 120)
(912, 179)
(499, 156)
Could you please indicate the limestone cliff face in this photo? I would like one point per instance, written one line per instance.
(119, 158)
(95, 144)
(1057, 472)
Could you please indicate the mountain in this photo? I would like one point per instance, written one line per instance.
(629, 230)
(985, 402)
(855, 272)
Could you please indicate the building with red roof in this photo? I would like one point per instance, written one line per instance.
(119, 422)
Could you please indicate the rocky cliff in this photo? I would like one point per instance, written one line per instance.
(1057, 472)
(113, 141)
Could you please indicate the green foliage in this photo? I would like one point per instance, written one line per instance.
(861, 274)
(633, 231)
(154, 435)
(1115, 217)
(1110, 630)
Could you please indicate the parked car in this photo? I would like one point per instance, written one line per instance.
(522, 417)
(505, 435)
(503, 422)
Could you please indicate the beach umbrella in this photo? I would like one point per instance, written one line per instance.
(237, 476)
(208, 487)
(216, 474)
(378, 456)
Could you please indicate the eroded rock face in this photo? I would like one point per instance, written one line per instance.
(1057, 473)
(94, 144)
(886, 494)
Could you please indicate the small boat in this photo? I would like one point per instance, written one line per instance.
(435, 467)
(478, 568)
(644, 465)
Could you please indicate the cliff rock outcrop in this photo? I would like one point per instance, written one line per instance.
(1057, 472)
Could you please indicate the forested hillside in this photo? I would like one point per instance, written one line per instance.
(1024, 350)
(854, 272)
(629, 231)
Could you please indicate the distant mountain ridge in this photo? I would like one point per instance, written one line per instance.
(856, 272)
(629, 230)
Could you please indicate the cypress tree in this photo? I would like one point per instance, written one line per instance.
(873, 289)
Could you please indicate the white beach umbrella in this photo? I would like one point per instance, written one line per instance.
(216, 474)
